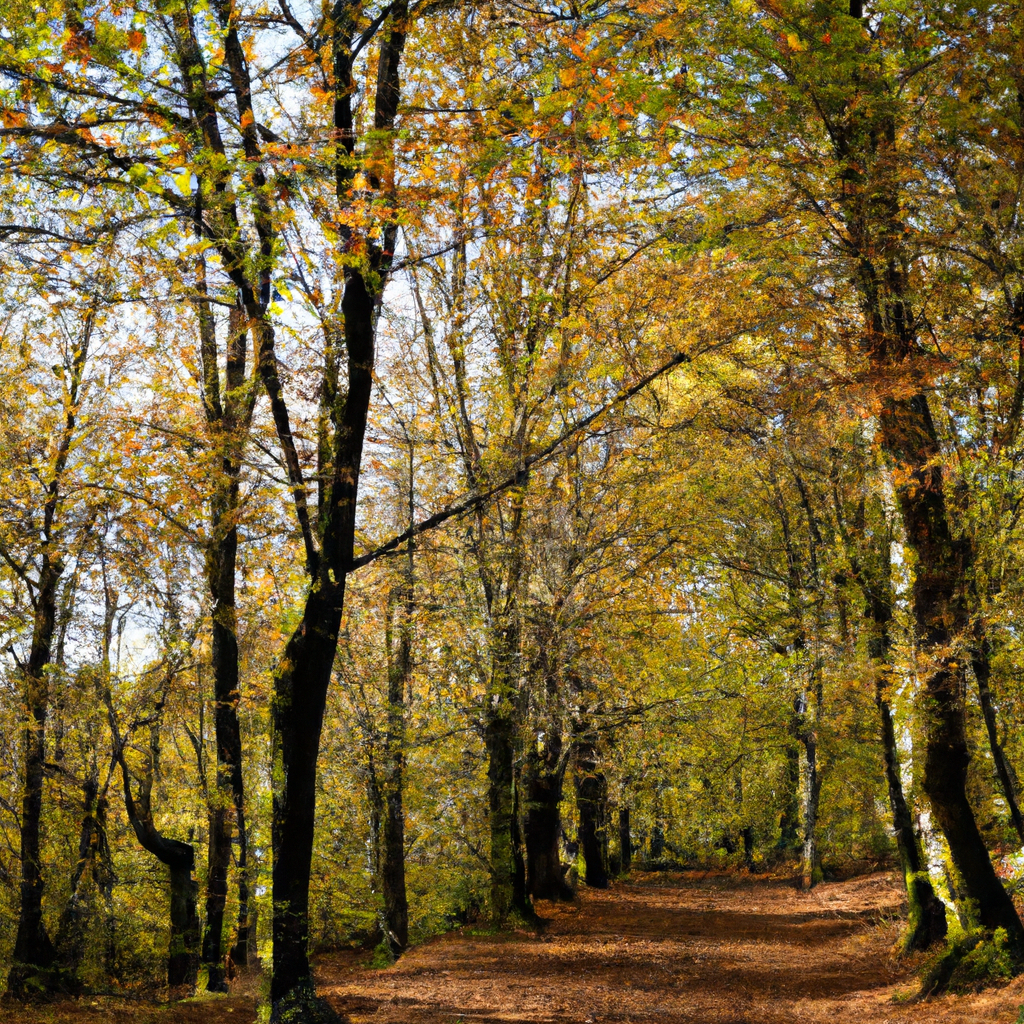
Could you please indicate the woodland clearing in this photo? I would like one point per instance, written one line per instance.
(690, 947)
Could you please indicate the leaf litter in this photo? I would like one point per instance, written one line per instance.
(689, 947)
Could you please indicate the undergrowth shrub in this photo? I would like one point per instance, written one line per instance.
(970, 962)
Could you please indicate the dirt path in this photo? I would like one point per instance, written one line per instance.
(687, 949)
(693, 949)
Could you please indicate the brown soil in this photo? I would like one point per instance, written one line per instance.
(693, 948)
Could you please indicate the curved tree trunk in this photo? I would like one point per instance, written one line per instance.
(183, 947)
(870, 195)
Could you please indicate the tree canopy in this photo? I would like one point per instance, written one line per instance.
(452, 451)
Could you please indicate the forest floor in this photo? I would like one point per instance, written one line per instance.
(692, 948)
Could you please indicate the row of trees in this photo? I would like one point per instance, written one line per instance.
(410, 406)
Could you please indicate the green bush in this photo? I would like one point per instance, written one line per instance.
(988, 963)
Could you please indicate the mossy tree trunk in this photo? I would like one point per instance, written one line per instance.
(878, 239)
(871, 567)
(981, 662)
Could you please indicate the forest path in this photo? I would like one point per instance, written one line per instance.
(694, 948)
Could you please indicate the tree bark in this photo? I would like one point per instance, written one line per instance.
(869, 194)
(300, 694)
(499, 733)
(392, 868)
(625, 841)
(982, 665)
(229, 420)
(942, 617)
(926, 917)
(810, 870)
(33, 955)
(592, 803)
(303, 674)
(227, 811)
(304, 671)
(748, 847)
(542, 822)
(93, 856)
(245, 933)
(789, 822)
(871, 566)
(926, 913)
(184, 941)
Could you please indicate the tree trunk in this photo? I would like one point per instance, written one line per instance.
(926, 918)
(869, 192)
(872, 570)
(182, 962)
(228, 418)
(303, 674)
(33, 956)
(982, 665)
(396, 905)
(810, 870)
(592, 803)
(498, 737)
(300, 694)
(184, 945)
(245, 934)
(926, 913)
(227, 811)
(657, 842)
(508, 889)
(542, 779)
(520, 892)
(93, 856)
(789, 823)
(942, 616)
(625, 842)
(392, 866)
